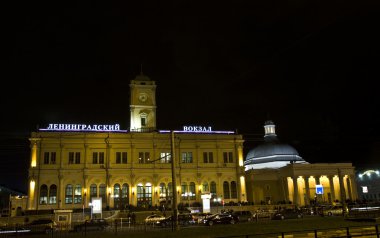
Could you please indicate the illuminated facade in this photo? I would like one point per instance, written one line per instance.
(276, 173)
(73, 163)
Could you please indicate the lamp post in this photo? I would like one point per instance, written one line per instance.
(84, 201)
(174, 183)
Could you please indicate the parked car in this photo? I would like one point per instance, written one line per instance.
(287, 214)
(333, 210)
(42, 226)
(308, 210)
(199, 217)
(243, 215)
(183, 219)
(224, 218)
(91, 225)
(153, 219)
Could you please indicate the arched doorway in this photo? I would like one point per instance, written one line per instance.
(144, 195)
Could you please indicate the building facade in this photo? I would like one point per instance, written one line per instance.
(73, 163)
(275, 173)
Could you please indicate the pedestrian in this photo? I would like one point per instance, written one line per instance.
(133, 218)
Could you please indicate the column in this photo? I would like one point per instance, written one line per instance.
(61, 193)
(332, 189)
(86, 148)
(61, 155)
(133, 190)
(295, 194)
(285, 188)
(349, 191)
(353, 188)
(342, 190)
(85, 190)
(307, 190)
(109, 191)
(33, 154)
(31, 194)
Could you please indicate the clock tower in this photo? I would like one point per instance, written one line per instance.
(143, 104)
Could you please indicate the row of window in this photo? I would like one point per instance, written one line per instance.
(73, 193)
(144, 157)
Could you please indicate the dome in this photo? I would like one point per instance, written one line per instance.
(272, 153)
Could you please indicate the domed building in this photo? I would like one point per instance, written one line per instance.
(276, 173)
(272, 154)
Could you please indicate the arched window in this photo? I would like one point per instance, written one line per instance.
(124, 195)
(69, 194)
(78, 194)
(43, 194)
(116, 191)
(213, 189)
(170, 189)
(125, 191)
(93, 191)
(205, 187)
(116, 195)
(183, 190)
(144, 195)
(192, 190)
(226, 190)
(233, 189)
(163, 191)
(53, 194)
(102, 193)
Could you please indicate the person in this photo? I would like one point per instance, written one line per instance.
(133, 218)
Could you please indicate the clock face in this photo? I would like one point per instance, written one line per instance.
(143, 97)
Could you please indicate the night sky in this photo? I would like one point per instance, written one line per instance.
(311, 67)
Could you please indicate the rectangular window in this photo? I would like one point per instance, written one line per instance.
(95, 157)
(143, 121)
(121, 157)
(118, 157)
(71, 157)
(124, 157)
(208, 157)
(187, 157)
(227, 157)
(52, 157)
(46, 158)
(144, 157)
(98, 157)
(49, 157)
(101, 157)
(77, 157)
(165, 157)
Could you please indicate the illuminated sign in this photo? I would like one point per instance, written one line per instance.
(198, 129)
(319, 189)
(82, 127)
(365, 189)
(96, 205)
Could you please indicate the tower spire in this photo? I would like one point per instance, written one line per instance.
(141, 69)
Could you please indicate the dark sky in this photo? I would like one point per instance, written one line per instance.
(312, 67)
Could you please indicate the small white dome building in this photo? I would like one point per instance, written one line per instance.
(272, 154)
